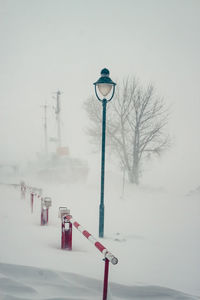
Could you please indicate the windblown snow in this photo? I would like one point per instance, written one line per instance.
(155, 236)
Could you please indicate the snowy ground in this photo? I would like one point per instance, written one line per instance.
(155, 236)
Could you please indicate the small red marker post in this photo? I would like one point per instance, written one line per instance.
(45, 204)
(23, 189)
(32, 199)
(66, 229)
(66, 239)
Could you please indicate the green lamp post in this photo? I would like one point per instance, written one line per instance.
(106, 87)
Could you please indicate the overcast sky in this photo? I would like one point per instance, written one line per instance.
(48, 45)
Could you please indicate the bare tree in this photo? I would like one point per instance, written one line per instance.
(136, 122)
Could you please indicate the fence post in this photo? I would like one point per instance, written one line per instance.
(66, 229)
(23, 189)
(105, 282)
(66, 235)
(32, 198)
(42, 213)
(45, 204)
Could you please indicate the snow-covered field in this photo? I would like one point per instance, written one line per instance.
(155, 236)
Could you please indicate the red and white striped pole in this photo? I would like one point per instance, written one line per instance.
(109, 257)
(97, 244)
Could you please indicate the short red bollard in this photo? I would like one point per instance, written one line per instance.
(45, 204)
(23, 189)
(66, 239)
(43, 214)
(66, 229)
(32, 199)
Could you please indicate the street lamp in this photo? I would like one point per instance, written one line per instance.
(106, 87)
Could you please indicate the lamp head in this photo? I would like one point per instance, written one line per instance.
(104, 83)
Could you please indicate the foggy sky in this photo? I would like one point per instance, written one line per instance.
(59, 44)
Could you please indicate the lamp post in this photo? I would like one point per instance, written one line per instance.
(106, 87)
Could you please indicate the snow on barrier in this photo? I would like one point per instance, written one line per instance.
(66, 242)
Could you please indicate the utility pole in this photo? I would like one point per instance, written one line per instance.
(45, 106)
(57, 112)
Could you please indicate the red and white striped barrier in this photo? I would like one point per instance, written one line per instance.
(66, 243)
(89, 236)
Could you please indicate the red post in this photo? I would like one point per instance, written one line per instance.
(43, 217)
(105, 283)
(32, 198)
(41, 223)
(45, 204)
(66, 238)
(63, 234)
(47, 214)
(23, 189)
(42, 213)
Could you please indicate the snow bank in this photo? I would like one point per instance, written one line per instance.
(22, 282)
(154, 235)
